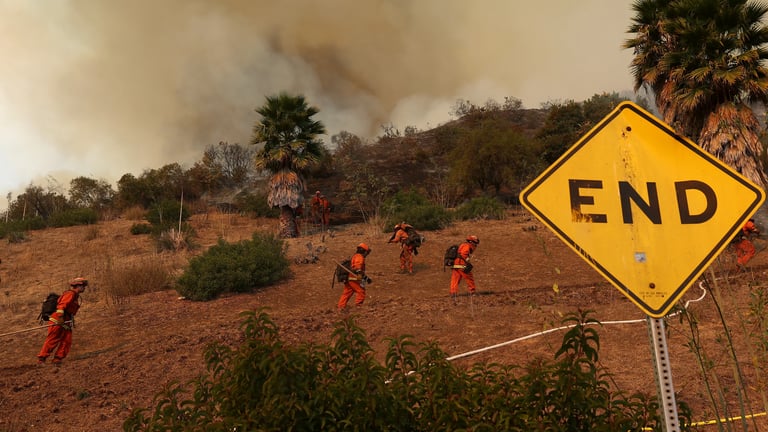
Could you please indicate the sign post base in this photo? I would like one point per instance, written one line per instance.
(663, 370)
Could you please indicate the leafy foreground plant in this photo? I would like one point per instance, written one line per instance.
(265, 385)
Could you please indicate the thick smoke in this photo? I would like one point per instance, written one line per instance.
(103, 88)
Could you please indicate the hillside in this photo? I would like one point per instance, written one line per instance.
(124, 353)
(420, 160)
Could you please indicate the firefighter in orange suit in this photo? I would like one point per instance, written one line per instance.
(462, 268)
(316, 209)
(745, 249)
(59, 337)
(325, 208)
(357, 278)
(400, 235)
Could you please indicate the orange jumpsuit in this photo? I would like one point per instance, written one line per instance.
(325, 208)
(355, 284)
(60, 331)
(458, 273)
(317, 211)
(406, 251)
(745, 250)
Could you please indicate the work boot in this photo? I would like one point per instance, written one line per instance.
(40, 361)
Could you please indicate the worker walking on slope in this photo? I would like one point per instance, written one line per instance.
(325, 208)
(357, 279)
(462, 268)
(316, 209)
(745, 249)
(400, 235)
(59, 337)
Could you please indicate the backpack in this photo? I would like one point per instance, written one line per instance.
(49, 307)
(414, 238)
(450, 255)
(342, 275)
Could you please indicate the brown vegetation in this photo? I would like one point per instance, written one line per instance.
(126, 347)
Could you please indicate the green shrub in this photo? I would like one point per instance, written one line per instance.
(416, 210)
(141, 228)
(480, 208)
(256, 205)
(166, 214)
(30, 224)
(73, 217)
(268, 385)
(17, 237)
(18, 227)
(234, 267)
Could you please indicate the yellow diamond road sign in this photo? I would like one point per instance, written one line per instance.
(647, 208)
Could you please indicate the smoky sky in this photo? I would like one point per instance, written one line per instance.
(101, 88)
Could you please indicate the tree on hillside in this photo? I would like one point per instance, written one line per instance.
(492, 156)
(703, 61)
(85, 192)
(152, 187)
(36, 201)
(223, 165)
(564, 125)
(288, 135)
(567, 122)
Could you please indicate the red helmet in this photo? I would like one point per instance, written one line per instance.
(473, 239)
(364, 247)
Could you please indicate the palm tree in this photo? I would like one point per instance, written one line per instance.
(290, 148)
(702, 59)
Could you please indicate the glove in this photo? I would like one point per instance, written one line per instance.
(468, 268)
(368, 280)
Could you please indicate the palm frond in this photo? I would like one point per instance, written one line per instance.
(285, 189)
(731, 133)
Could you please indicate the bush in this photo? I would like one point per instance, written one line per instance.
(73, 217)
(145, 276)
(234, 267)
(416, 210)
(166, 214)
(135, 213)
(141, 228)
(256, 205)
(172, 239)
(17, 237)
(18, 227)
(480, 208)
(268, 385)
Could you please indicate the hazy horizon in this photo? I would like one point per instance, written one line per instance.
(102, 88)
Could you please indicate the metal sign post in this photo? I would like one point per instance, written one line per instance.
(663, 369)
(623, 194)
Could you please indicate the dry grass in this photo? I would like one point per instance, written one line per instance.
(91, 233)
(135, 213)
(147, 274)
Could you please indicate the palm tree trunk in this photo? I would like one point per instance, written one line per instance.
(288, 222)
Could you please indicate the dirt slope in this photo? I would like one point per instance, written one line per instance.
(124, 353)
